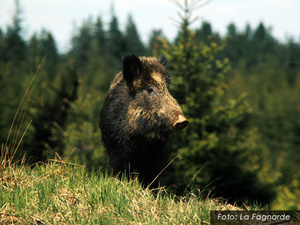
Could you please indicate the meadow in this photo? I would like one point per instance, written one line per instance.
(59, 192)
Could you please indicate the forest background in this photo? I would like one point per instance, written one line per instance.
(240, 92)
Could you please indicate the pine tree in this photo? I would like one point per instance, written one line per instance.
(33, 54)
(263, 42)
(209, 151)
(13, 46)
(12, 76)
(235, 46)
(154, 42)
(293, 66)
(116, 42)
(49, 50)
(100, 36)
(82, 45)
(132, 39)
(204, 31)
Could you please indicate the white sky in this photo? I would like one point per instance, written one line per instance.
(60, 16)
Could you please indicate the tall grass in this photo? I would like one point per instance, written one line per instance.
(59, 192)
(13, 141)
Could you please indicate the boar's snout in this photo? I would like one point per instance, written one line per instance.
(181, 123)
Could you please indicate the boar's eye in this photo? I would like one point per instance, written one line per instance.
(150, 90)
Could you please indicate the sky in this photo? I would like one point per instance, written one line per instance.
(62, 17)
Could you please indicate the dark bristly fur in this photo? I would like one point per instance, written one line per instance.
(138, 115)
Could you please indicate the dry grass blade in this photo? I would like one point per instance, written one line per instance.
(6, 157)
(192, 179)
(162, 171)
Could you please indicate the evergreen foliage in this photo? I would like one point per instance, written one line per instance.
(132, 39)
(13, 46)
(116, 40)
(154, 41)
(243, 138)
(210, 152)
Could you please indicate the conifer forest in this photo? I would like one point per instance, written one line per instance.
(240, 93)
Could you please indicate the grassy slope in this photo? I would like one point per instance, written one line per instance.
(60, 192)
(63, 193)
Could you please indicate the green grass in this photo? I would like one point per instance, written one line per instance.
(59, 192)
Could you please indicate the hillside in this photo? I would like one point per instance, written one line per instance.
(59, 192)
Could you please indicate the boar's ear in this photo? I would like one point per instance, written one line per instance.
(163, 60)
(132, 68)
(166, 74)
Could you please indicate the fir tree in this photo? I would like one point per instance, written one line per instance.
(132, 39)
(209, 152)
(116, 42)
(81, 46)
(100, 36)
(13, 47)
(154, 42)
